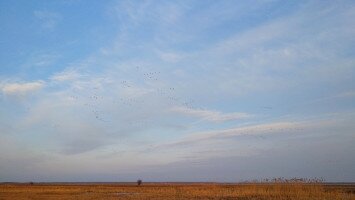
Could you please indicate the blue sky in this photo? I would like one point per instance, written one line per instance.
(176, 90)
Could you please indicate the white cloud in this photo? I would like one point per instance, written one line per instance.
(308, 126)
(21, 88)
(248, 130)
(69, 75)
(210, 115)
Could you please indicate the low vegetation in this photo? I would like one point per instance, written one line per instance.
(274, 190)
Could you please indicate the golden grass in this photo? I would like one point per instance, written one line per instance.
(252, 191)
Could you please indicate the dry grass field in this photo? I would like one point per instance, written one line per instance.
(251, 191)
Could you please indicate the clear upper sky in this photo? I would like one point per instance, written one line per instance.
(177, 90)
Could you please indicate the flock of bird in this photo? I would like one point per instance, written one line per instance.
(94, 101)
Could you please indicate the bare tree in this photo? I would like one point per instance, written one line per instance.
(139, 182)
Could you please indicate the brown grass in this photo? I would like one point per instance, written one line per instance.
(251, 191)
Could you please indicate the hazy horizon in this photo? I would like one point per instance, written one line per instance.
(220, 91)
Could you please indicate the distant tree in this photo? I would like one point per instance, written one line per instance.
(31, 183)
(139, 182)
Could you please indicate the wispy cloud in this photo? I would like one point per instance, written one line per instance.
(48, 19)
(306, 127)
(252, 130)
(67, 75)
(347, 94)
(44, 60)
(21, 88)
(255, 60)
(210, 115)
(170, 57)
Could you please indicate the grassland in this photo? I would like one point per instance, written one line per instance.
(158, 191)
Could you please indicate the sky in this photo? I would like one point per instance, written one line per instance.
(221, 91)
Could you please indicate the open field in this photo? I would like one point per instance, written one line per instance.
(252, 191)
